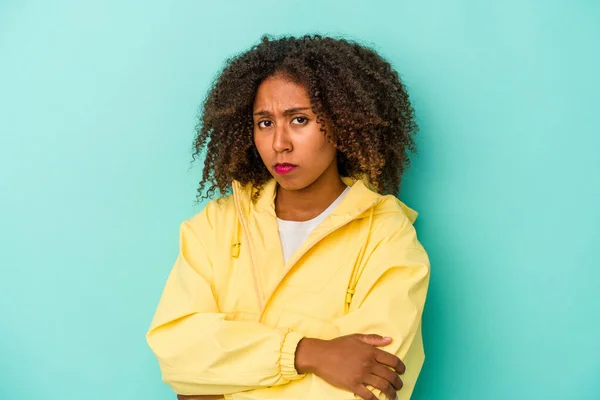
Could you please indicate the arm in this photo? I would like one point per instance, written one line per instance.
(199, 352)
(389, 301)
(391, 304)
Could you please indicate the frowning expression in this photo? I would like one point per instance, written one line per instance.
(287, 135)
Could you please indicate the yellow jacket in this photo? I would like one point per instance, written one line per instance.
(232, 312)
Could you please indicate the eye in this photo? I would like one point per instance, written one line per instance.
(260, 122)
(302, 120)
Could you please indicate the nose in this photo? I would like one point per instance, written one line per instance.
(281, 140)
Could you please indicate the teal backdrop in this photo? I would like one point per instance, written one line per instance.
(98, 104)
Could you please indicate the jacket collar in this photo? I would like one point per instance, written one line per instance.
(359, 199)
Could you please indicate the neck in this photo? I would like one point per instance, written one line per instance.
(307, 203)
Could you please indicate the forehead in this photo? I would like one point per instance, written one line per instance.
(279, 92)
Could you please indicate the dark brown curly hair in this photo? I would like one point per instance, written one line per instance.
(349, 85)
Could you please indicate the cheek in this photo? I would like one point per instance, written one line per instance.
(316, 147)
(325, 147)
(315, 141)
(260, 146)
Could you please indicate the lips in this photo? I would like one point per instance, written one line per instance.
(284, 168)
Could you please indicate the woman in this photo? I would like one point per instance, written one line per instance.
(308, 281)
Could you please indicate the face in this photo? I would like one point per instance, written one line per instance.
(287, 135)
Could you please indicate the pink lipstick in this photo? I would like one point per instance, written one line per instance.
(283, 169)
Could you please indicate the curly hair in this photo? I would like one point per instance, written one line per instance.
(351, 86)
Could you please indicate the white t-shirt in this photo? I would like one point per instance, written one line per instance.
(294, 233)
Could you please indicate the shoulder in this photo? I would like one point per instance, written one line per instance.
(392, 214)
(212, 216)
(393, 220)
(392, 205)
(393, 243)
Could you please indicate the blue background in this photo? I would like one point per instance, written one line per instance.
(98, 103)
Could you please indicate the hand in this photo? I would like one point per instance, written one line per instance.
(351, 362)
(200, 397)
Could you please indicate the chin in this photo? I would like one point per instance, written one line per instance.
(291, 184)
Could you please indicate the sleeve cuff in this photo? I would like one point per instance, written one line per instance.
(288, 356)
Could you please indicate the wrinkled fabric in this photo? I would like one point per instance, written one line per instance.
(232, 312)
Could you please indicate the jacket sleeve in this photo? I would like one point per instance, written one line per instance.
(388, 301)
(199, 352)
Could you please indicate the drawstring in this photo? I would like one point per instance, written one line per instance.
(357, 270)
(235, 247)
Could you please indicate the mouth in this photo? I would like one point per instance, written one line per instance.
(284, 168)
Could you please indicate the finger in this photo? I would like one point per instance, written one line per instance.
(391, 376)
(381, 384)
(385, 358)
(374, 340)
(364, 393)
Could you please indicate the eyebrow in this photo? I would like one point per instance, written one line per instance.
(286, 112)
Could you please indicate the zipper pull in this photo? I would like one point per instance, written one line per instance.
(235, 251)
(349, 294)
